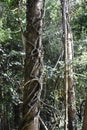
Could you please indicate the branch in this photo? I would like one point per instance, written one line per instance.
(42, 122)
(49, 106)
(59, 59)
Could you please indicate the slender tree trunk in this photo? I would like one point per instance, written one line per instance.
(33, 65)
(71, 93)
(84, 127)
(70, 106)
(64, 20)
(72, 123)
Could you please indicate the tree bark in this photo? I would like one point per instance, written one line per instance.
(70, 106)
(64, 5)
(84, 127)
(33, 65)
(72, 123)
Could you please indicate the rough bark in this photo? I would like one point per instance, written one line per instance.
(64, 5)
(84, 127)
(70, 106)
(33, 65)
(72, 123)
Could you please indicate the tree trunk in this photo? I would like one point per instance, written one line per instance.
(72, 123)
(70, 106)
(84, 127)
(64, 5)
(33, 65)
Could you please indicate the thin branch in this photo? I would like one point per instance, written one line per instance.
(42, 122)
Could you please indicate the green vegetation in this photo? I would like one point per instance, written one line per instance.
(12, 62)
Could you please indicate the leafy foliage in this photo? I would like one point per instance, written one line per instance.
(11, 59)
(11, 66)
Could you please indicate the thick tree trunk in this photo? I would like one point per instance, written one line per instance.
(33, 65)
(84, 127)
(70, 106)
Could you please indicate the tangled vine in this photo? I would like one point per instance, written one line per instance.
(33, 64)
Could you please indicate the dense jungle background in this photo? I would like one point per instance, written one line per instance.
(12, 55)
